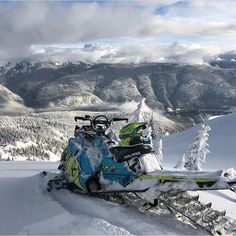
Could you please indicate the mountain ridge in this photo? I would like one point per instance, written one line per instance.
(165, 85)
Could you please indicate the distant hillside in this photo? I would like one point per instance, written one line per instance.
(43, 136)
(50, 84)
(225, 61)
(7, 96)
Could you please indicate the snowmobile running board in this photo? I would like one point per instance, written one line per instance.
(210, 185)
(50, 186)
(127, 190)
(121, 191)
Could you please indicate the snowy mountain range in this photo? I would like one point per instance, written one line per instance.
(226, 60)
(166, 86)
(8, 96)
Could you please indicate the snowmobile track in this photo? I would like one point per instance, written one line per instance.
(233, 190)
(215, 222)
(201, 215)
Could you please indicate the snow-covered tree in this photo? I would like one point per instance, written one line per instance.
(181, 163)
(154, 131)
(195, 156)
(138, 114)
(156, 142)
(157, 146)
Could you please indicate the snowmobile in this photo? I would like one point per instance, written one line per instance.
(92, 163)
(130, 174)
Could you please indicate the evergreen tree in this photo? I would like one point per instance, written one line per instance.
(157, 146)
(181, 163)
(138, 114)
(154, 130)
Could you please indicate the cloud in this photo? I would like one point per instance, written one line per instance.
(54, 22)
(132, 52)
(46, 29)
(14, 108)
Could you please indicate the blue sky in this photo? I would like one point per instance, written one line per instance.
(118, 31)
(163, 9)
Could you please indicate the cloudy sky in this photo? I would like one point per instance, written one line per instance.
(190, 31)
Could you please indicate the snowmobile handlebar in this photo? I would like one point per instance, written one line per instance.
(99, 120)
(87, 117)
(119, 119)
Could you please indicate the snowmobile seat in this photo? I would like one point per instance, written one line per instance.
(124, 153)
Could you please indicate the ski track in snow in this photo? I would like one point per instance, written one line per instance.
(27, 208)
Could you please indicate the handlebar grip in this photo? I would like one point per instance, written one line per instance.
(79, 118)
(120, 119)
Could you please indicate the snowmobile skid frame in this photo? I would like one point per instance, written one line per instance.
(181, 203)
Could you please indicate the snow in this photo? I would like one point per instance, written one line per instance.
(20, 144)
(222, 144)
(150, 162)
(214, 117)
(10, 169)
(27, 208)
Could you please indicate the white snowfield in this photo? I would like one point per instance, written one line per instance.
(222, 144)
(27, 208)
